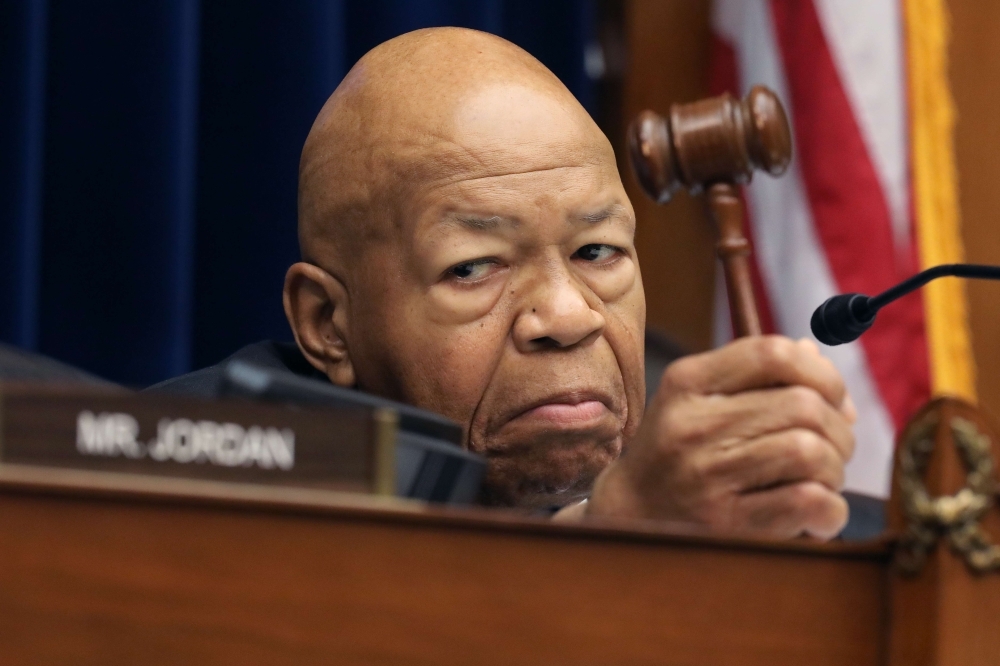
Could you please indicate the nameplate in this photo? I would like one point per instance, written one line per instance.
(81, 427)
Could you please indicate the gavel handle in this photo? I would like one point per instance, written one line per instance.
(733, 248)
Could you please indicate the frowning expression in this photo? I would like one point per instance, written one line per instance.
(511, 298)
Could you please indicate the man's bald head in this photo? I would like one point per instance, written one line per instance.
(468, 248)
(402, 103)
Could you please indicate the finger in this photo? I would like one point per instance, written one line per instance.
(789, 511)
(753, 363)
(729, 419)
(772, 460)
(809, 345)
(847, 406)
(849, 410)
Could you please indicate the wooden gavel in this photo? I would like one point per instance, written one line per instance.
(713, 145)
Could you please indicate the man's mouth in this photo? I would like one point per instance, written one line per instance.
(573, 410)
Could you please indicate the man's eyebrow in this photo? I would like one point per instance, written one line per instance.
(614, 210)
(479, 223)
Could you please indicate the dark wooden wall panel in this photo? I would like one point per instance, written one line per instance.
(975, 81)
(667, 63)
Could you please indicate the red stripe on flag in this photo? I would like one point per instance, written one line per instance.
(849, 207)
(724, 77)
(724, 68)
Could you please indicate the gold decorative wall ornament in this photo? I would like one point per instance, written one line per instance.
(958, 515)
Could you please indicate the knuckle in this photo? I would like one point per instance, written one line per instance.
(817, 459)
(808, 449)
(677, 428)
(818, 501)
(807, 405)
(775, 352)
(811, 498)
(702, 469)
(680, 375)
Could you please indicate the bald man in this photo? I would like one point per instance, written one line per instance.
(468, 247)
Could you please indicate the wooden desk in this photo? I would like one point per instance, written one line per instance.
(98, 569)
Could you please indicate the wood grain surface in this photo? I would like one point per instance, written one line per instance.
(118, 576)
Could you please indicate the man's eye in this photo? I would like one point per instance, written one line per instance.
(472, 270)
(596, 252)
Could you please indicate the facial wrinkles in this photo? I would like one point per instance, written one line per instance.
(500, 139)
(501, 316)
(543, 253)
(626, 398)
(617, 319)
(488, 377)
(521, 249)
(405, 96)
(530, 294)
(459, 168)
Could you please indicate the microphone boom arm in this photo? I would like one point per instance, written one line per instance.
(976, 271)
(843, 318)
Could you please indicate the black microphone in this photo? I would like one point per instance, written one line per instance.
(845, 317)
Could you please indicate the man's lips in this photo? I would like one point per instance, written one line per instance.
(569, 410)
(562, 413)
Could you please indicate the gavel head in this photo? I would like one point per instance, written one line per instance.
(720, 139)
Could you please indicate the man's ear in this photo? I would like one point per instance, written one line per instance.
(316, 307)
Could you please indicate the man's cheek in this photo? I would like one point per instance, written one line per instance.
(626, 334)
(619, 284)
(459, 365)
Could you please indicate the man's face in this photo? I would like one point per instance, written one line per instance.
(510, 298)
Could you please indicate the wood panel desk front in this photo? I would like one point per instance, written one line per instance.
(96, 569)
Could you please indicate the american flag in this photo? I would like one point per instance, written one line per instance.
(847, 216)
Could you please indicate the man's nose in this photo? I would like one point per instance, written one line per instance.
(556, 315)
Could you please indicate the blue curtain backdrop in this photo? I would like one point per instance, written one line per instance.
(148, 157)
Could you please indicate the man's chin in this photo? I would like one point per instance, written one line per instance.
(549, 474)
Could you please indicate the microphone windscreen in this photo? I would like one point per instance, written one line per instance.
(835, 322)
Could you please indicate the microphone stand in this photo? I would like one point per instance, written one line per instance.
(975, 271)
(843, 318)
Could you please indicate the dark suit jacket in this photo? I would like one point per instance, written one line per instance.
(269, 354)
(17, 364)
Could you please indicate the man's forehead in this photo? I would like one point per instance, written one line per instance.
(483, 222)
(506, 186)
(399, 127)
(518, 112)
(499, 130)
(509, 153)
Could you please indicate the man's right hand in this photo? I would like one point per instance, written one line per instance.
(752, 437)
